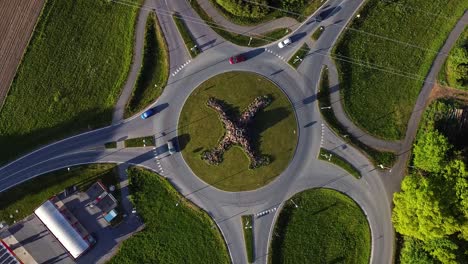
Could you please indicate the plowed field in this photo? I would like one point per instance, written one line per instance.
(17, 20)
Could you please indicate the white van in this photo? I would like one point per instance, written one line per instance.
(170, 147)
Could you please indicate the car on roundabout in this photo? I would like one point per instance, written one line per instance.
(237, 59)
(148, 113)
(284, 43)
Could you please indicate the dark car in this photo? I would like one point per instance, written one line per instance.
(148, 113)
(236, 59)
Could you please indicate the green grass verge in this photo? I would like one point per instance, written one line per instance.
(455, 70)
(274, 131)
(173, 234)
(240, 39)
(27, 196)
(247, 226)
(301, 53)
(317, 33)
(186, 35)
(328, 227)
(375, 156)
(139, 142)
(154, 70)
(71, 74)
(296, 11)
(381, 100)
(110, 145)
(339, 161)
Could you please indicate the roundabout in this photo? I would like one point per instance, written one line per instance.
(272, 131)
(223, 195)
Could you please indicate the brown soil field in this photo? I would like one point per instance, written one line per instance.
(17, 21)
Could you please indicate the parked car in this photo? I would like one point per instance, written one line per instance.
(148, 113)
(284, 43)
(170, 147)
(236, 59)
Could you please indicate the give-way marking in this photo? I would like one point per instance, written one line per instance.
(181, 67)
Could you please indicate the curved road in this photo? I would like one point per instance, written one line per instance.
(305, 170)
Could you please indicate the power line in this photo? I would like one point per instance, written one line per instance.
(351, 29)
(338, 57)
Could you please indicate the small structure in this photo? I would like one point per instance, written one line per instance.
(6, 255)
(100, 197)
(65, 227)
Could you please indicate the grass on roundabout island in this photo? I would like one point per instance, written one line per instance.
(274, 131)
(326, 227)
(175, 231)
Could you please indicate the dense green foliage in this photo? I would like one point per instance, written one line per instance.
(273, 131)
(253, 12)
(27, 196)
(244, 9)
(432, 207)
(327, 227)
(386, 54)
(240, 39)
(456, 66)
(71, 74)
(339, 161)
(176, 231)
(139, 142)
(300, 54)
(186, 35)
(375, 156)
(154, 70)
(413, 252)
(247, 225)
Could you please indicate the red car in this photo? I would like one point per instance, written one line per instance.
(236, 59)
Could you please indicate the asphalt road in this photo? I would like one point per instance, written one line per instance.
(305, 170)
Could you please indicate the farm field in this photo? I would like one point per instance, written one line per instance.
(71, 74)
(176, 231)
(381, 84)
(17, 21)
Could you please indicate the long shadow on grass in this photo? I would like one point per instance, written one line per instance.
(14, 145)
(278, 234)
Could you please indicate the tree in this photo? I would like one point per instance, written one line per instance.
(413, 252)
(418, 212)
(430, 150)
(442, 249)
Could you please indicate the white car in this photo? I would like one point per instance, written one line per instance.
(170, 147)
(284, 43)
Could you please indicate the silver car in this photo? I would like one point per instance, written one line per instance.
(170, 147)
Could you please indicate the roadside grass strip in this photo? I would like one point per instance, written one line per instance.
(186, 35)
(154, 70)
(325, 227)
(110, 145)
(385, 55)
(239, 38)
(247, 227)
(176, 231)
(317, 33)
(376, 157)
(300, 54)
(71, 75)
(27, 196)
(339, 161)
(139, 142)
